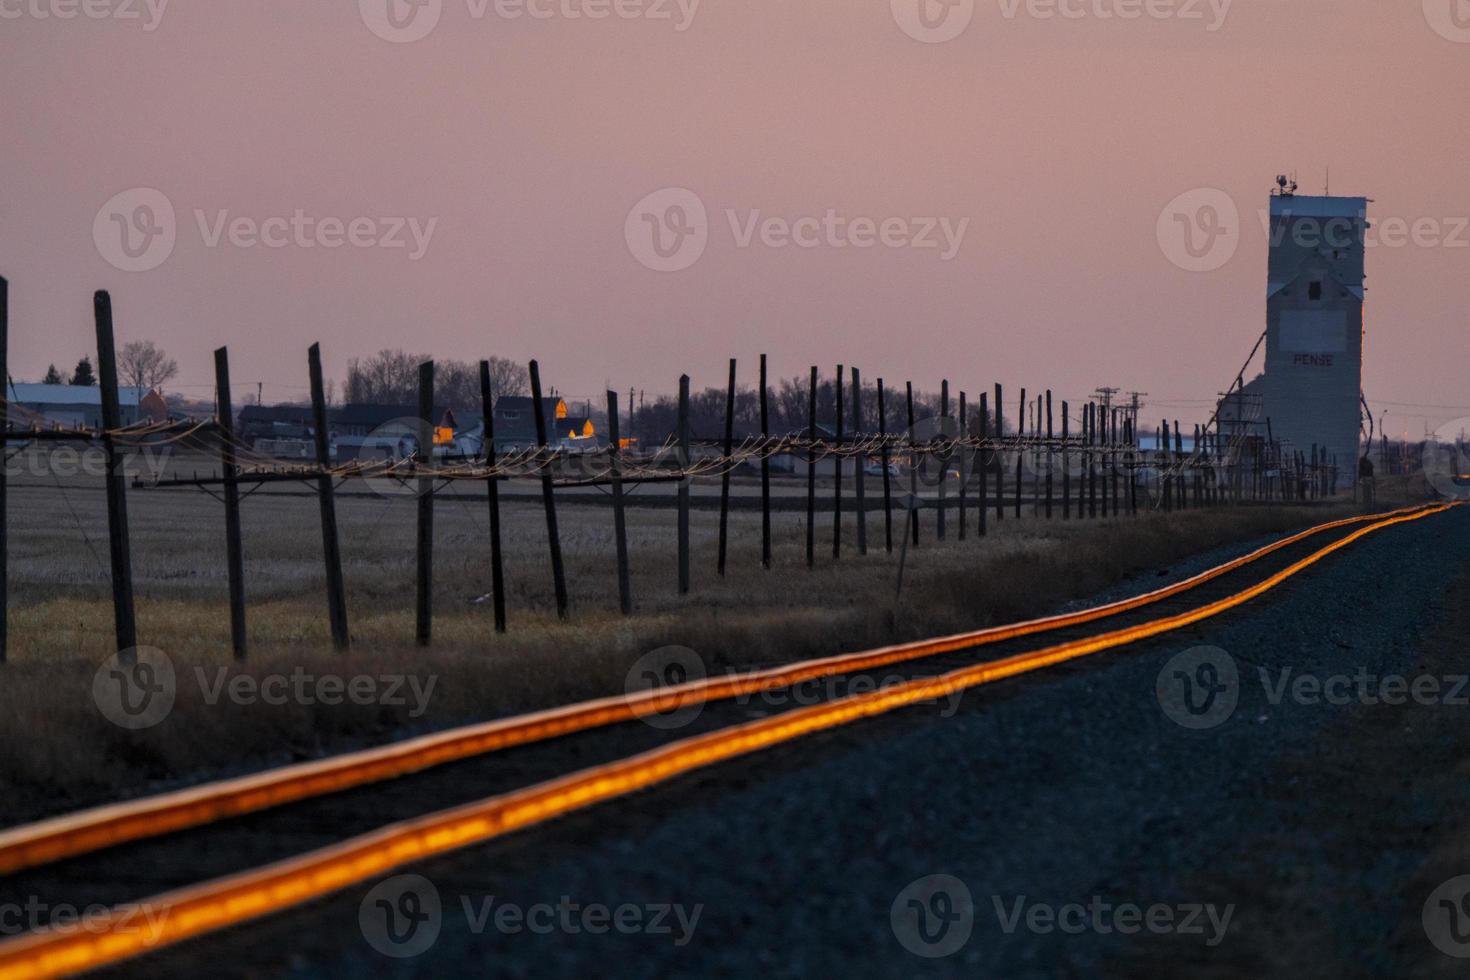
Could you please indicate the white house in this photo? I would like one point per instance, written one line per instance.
(70, 405)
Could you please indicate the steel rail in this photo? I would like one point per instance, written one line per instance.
(43, 842)
(213, 905)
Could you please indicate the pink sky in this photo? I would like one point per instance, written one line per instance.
(529, 140)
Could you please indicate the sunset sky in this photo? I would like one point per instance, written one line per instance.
(525, 142)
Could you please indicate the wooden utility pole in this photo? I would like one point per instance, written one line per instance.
(548, 496)
(962, 454)
(938, 457)
(982, 510)
(837, 468)
(811, 472)
(497, 559)
(765, 468)
(887, 482)
(234, 550)
(684, 485)
(729, 447)
(620, 521)
(331, 547)
(124, 623)
(861, 460)
(424, 462)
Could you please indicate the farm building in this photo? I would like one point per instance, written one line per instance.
(257, 422)
(385, 431)
(378, 431)
(515, 425)
(72, 405)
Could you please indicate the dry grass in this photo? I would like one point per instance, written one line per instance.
(63, 753)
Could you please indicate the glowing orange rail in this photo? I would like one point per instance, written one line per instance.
(90, 830)
(249, 895)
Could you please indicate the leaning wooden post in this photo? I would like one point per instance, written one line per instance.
(684, 461)
(940, 524)
(1132, 465)
(1066, 462)
(1092, 464)
(1199, 483)
(234, 551)
(331, 548)
(1084, 436)
(548, 494)
(497, 559)
(424, 461)
(1049, 437)
(837, 468)
(1036, 458)
(124, 624)
(964, 459)
(1100, 459)
(765, 398)
(861, 460)
(1000, 466)
(982, 508)
(1020, 452)
(620, 521)
(811, 473)
(913, 507)
(4, 428)
(725, 478)
(1165, 461)
(1179, 451)
(1113, 457)
(887, 482)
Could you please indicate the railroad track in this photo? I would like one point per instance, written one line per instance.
(268, 842)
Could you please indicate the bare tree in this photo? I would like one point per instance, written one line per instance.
(391, 377)
(507, 377)
(457, 385)
(142, 364)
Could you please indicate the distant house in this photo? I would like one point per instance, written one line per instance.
(359, 430)
(154, 407)
(515, 425)
(72, 405)
(365, 419)
(387, 431)
(287, 423)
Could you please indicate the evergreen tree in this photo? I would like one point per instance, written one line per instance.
(53, 376)
(83, 374)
